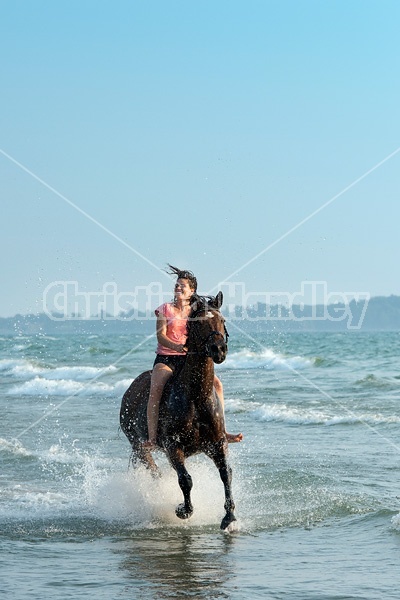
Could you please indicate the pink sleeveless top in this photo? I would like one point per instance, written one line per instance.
(176, 329)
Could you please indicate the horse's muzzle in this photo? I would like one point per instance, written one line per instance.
(218, 351)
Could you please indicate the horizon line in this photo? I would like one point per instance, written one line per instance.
(141, 313)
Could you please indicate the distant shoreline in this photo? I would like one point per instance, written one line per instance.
(380, 313)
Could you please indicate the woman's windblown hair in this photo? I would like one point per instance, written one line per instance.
(181, 274)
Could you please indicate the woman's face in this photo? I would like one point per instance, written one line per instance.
(182, 289)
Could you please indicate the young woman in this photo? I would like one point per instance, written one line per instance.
(171, 350)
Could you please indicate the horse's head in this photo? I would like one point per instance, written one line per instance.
(207, 333)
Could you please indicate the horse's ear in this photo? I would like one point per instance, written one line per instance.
(215, 302)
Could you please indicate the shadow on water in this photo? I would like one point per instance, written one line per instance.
(179, 563)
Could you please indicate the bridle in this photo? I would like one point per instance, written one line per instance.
(205, 343)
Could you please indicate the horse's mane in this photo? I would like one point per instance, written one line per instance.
(204, 303)
(201, 303)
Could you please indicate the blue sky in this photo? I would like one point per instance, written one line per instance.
(199, 133)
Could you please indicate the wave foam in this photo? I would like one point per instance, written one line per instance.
(27, 369)
(236, 405)
(13, 447)
(396, 522)
(267, 359)
(296, 416)
(40, 386)
(7, 364)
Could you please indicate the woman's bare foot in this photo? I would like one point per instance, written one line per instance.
(231, 438)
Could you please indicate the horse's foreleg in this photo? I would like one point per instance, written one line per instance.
(225, 472)
(177, 460)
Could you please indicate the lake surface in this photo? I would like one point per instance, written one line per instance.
(316, 480)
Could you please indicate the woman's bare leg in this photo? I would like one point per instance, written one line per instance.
(159, 377)
(231, 437)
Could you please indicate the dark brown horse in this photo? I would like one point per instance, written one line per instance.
(191, 418)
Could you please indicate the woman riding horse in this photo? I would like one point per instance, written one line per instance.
(171, 349)
(191, 418)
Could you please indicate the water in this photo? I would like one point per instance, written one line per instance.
(316, 481)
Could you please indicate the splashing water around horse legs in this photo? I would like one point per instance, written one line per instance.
(191, 418)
